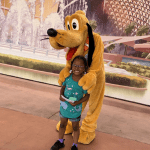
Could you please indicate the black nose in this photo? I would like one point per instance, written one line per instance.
(52, 32)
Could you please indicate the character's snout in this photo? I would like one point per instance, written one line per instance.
(52, 32)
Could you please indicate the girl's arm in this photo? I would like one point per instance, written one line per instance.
(85, 98)
(62, 93)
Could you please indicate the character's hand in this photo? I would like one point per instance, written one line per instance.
(88, 82)
(74, 104)
(63, 74)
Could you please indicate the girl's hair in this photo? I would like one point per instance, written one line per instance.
(82, 58)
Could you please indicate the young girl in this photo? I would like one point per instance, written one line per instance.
(72, 110)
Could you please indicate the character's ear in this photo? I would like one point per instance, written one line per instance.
(91, 45)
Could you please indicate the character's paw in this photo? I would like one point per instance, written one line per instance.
(86, 137)
(88, 82)
(60, 82)
(69, 128)
(63, 74)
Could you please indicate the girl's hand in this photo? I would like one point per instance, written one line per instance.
(61, 98)
(74, 104)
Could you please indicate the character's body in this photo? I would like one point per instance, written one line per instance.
(77, 37)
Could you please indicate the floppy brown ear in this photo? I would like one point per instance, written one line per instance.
(91, 45)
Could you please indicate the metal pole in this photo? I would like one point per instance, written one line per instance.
(34, 50)
(58, 54)
(47, 53)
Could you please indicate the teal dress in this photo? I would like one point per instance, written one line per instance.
(72, 90)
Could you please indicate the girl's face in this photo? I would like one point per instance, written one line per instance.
(78, 67)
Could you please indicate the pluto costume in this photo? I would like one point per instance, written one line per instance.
(80, 40)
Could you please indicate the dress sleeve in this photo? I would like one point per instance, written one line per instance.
(84, 91)
(64, 83)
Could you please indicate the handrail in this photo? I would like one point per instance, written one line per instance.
(38, 50)
(32, 49)
(109, 61)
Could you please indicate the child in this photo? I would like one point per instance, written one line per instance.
(70, 110)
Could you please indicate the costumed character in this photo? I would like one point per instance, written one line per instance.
(80, 40)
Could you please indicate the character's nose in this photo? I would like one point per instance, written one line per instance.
(52, 32)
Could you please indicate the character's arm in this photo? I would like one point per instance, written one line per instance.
(64, 73)
(88, 81)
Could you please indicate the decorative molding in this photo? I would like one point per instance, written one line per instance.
(126, 87)
(143, 77)
(31, 70)
(57, 75)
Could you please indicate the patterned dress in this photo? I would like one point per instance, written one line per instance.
(72, 90)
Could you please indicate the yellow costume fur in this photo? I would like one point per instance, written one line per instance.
(94, 81)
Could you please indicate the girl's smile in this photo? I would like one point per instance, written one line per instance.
(78, 67)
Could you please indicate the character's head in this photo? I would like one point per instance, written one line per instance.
(79, 65)
(76, 29)
(75, 35)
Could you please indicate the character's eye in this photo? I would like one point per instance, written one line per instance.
(75, 24)
(68, 25)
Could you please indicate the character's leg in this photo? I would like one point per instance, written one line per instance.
(89, 124)
(84, 105)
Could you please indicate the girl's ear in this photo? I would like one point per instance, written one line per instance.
(85, 71)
